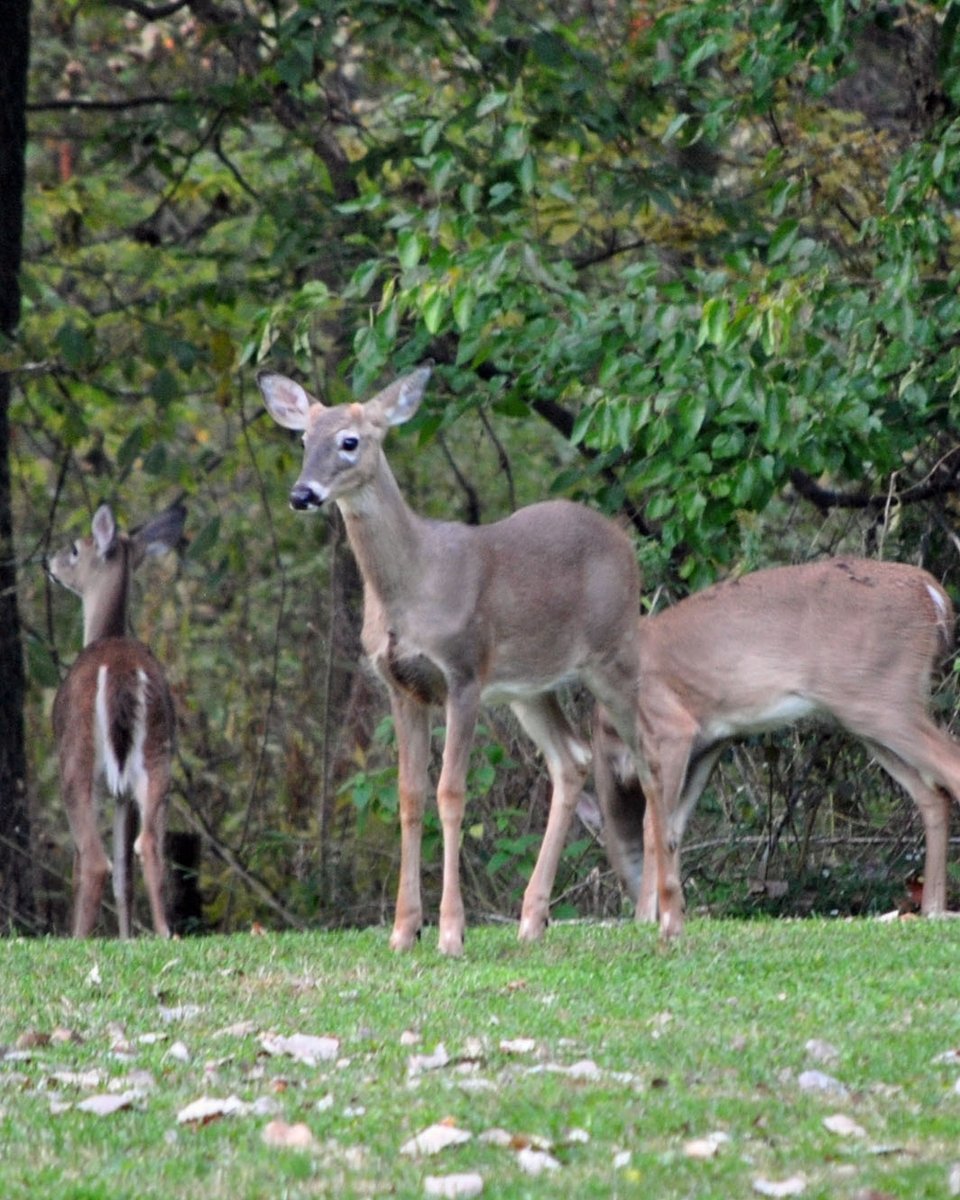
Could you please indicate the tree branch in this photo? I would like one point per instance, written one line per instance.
(946, 483)
(150, 12)
(99, 105)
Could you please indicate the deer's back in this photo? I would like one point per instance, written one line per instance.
(816, 629)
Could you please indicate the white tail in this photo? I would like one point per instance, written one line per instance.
(113, 720)
(455, 614)
(852, 639)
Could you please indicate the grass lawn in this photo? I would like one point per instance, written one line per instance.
(612, 1066)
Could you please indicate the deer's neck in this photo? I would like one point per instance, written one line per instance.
(105, 610)
(385, 535)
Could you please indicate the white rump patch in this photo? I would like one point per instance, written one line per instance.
(939, 601)
(120, 781)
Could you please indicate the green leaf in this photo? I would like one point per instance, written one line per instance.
(164, 388)
(76, 345)
(433, 311)
(205, 540)
(463, 302)
(713, 322)
(130, 448)
(491, 102)
(783, 238)
(409, 248)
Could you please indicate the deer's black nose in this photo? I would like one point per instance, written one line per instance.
(303, 496)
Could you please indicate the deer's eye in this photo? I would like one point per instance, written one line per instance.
(349, 442)
(75, 550)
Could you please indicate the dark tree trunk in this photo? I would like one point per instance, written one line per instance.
(16, 875)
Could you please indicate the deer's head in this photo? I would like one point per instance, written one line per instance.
(342, 444)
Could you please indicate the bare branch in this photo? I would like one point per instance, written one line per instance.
(99, 105)
(944, 480)
(150, 12)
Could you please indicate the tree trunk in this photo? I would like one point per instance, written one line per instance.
(16, 876)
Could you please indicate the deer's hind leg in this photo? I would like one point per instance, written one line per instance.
(933, 803)
(123, 835)
(567, 759)
(90, 863)
(615, 684)
(151, 791)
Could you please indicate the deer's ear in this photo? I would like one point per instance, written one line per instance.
(398, 402)
(104, 529)
(159, 534)
(287, 402)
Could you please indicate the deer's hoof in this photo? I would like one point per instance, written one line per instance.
(532, 929)
(451, 943)
(402, 940)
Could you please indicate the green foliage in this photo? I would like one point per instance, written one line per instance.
(667, 258)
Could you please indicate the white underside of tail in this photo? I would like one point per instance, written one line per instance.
(120, 781)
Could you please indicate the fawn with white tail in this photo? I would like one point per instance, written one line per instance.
(455, 614)
(851, 639)
(113, 721)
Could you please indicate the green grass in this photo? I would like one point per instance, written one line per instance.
(703, 1037)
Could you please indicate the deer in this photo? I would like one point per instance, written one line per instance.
(113, 721)
(456, 615)
(850, 639)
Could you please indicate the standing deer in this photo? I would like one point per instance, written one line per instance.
(113, 720)
(852, 639)
(455, 615)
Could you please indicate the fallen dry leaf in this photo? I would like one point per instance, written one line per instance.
(288, 1137)
(179, 1012)
(302, 1047)
(496, 1137)
(843, 1126)
(418, 1063)
(535, 1162)
(821, 1051)
(210, 1108)
(468, 1184)
(818, 1081)
(705, 1147)
(521, 1045)
(435, 1138)
(61, 1037)
(31, 1039)
(794, 1186)
(237, 1029)
(179, 1053)
(106, 1104)
(81, 1079)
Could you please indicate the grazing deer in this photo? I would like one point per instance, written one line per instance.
(113, 720)
(455, 615)
(852, 639)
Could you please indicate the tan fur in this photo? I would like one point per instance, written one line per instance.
(455, 614)
(851, 639)
(114, 723)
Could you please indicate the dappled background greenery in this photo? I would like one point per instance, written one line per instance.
(695, 264)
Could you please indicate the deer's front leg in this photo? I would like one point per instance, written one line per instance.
(463, 704)
(412, 724)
